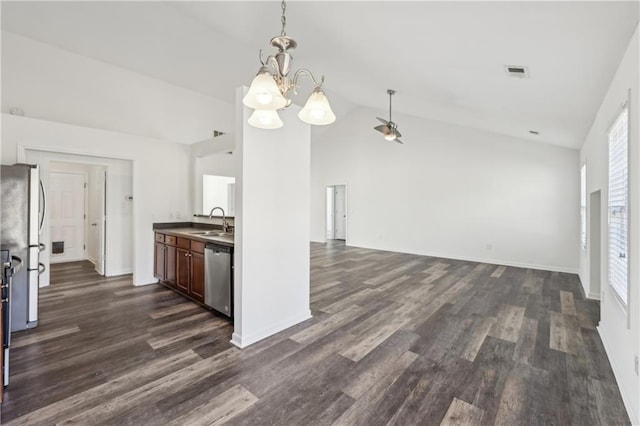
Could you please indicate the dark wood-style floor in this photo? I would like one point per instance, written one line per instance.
(395, 339)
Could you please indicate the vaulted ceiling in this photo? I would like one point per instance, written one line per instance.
(445, 59)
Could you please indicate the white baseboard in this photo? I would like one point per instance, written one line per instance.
(633, 416)
(119, 272)
(58, 259)
(553, 268)
(594, 296)
(246, 340)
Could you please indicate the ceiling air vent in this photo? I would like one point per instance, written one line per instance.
(517, 71)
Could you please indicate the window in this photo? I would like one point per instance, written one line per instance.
(218, 191)
(583, 206)
(618, 205)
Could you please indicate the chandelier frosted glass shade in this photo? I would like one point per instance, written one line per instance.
(264, 93)
(265, 119)
(269, 91)
(317, 110)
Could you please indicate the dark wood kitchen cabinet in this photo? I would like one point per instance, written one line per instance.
(191, 268)
(159, 260)
(183, 266)
(165, 258)
(170, 265)
(197, 276)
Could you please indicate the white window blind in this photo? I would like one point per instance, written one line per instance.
(618, 205)
(583, 206)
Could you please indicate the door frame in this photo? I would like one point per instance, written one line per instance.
(594, 244)
(326, 209)
(93, 160)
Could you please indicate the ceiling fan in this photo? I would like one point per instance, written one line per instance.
(388, 128)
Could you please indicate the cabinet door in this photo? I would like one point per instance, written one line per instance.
(170, 265)
(183, 271)
(197, 276)
(158, 270)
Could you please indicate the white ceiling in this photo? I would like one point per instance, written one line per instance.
(445, 59)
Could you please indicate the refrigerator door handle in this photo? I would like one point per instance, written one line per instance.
(44, 207)
(16, 264)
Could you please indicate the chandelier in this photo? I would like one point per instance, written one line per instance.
(269, 90)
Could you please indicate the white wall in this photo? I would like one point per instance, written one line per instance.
(450, 191)
(272, 226)
(620, 334)
(54, 84)
(160, 172)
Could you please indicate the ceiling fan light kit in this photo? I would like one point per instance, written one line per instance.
(389, 129)
(269, 91)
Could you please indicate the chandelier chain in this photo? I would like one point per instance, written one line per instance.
(284, 19)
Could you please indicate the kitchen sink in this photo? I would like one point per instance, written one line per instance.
(212, 233)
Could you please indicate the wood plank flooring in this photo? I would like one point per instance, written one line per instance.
(395, 339)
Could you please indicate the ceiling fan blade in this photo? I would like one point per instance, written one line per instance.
(399, 141)
(382, 120)
(398, 134)
(383, 129)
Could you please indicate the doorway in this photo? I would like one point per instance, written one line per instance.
(77, 218)
(336, 209)
(595, 245)
(109, 205)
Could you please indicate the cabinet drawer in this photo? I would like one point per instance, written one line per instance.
(160, 238)
(184, 243)
(170, 240)
(197, 247)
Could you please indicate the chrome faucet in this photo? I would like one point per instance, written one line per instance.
(225, 225)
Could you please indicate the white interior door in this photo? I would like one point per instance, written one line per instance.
(340, 212)
(67, 217)
(329, 213)
(102, 224)
(97, 218)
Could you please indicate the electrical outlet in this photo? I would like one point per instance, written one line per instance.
(635, 361)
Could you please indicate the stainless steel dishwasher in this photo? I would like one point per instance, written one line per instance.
(217, 277)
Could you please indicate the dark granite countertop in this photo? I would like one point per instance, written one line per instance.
(189, 230)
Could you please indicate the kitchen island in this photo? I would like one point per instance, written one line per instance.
(196, 260)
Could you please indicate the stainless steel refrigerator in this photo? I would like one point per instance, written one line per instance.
(23, 209)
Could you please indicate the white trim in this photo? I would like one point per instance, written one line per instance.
(119, 272)
(593, 296)
(53, 259)
(244, 341)
(633, 416)
(21, 152)
(552, 268)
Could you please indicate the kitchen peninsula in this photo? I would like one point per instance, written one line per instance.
(196, 261)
